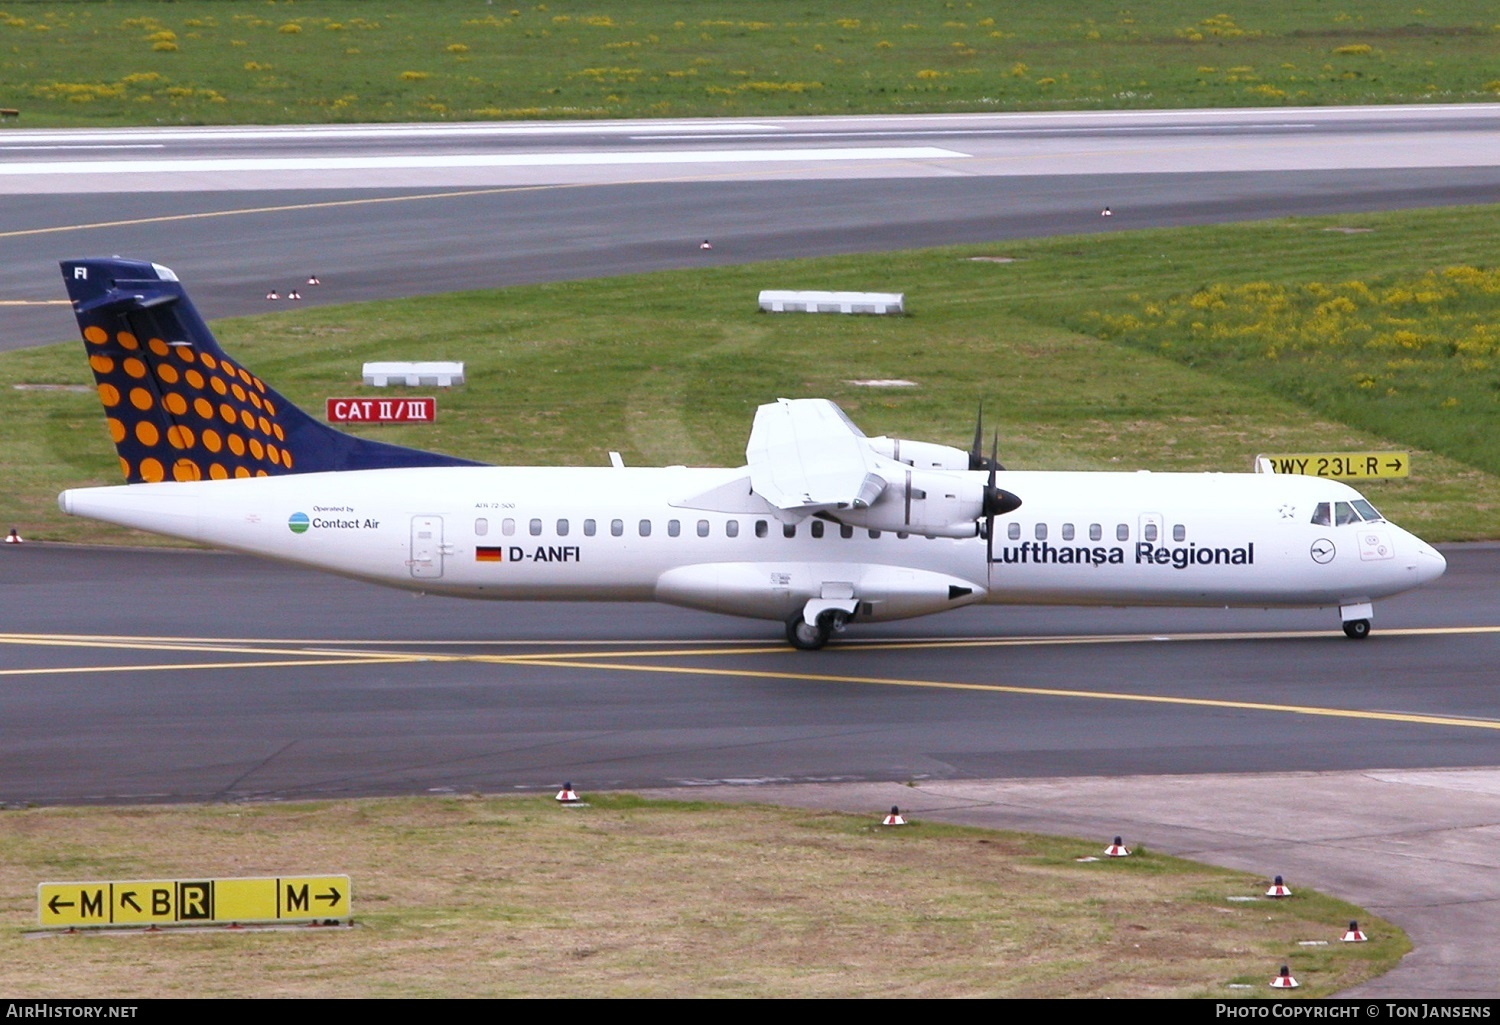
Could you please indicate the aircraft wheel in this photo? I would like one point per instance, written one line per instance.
(1357, 629)
(804, 636)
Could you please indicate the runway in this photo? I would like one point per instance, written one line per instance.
(382, 211)
(163, 676)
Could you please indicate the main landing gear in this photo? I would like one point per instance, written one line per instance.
(1357, 629)
(805, 636)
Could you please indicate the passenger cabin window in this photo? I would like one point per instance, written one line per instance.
(1041, 532)
(1096, 532)
(845, 531)
(507, 526)
(562, 528)
(761, 530)
(732, 528)
(616, 527)
(674, 528)
(702, 528)
(817, 528)
(1179, 532)
(536, 528)
(1013, 531)
(588, 528)
(1067, 532)
(788, 530)
(1122, 532)
(874, 534)
(1150, 532)
(645, 528)
(481, 527)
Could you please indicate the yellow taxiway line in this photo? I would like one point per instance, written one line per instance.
(327, 652)
(996, 688)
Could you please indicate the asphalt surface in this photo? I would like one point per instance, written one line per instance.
(138, 675)
(1134, 721)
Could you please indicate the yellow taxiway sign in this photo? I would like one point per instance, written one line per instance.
(1348, 465)
(193, 902)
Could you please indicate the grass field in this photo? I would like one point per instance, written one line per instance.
(138, 62)
(1060, 342)
(504, 897)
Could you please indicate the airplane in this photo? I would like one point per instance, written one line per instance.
(822, 527)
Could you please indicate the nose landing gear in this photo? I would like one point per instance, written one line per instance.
(1356, 620)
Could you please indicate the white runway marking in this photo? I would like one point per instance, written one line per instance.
(987, 132)
(716, 156)
(132, 145)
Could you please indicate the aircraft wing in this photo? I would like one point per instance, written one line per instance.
(805, 455)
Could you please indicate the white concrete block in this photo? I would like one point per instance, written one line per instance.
(432, 374)
(779, 301)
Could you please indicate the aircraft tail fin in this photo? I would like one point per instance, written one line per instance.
(178, 408)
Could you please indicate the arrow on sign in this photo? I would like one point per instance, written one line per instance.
(332, 896)
(128, 899)
(1394, 464)
(58, 902)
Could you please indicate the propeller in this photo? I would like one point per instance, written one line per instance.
(997, 501)
(977, 461)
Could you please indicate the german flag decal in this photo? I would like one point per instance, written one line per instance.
(486, 554)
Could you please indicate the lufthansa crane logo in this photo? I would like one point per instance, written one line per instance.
(1322, 551)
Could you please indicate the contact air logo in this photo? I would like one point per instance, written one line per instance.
(298, 522)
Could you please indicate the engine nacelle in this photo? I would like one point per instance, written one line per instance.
(921, 455)
(929, 503)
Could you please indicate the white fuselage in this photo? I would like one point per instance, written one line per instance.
(623, 534)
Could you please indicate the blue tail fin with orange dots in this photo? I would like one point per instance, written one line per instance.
(178, 408)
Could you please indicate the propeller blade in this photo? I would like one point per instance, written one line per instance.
(977, 460)
(997, 501)
(976, 453)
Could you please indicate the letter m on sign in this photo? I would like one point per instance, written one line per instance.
(296, 899)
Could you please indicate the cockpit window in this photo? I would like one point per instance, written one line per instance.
(1328, 514)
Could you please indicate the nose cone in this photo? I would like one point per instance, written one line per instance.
(1419, 563)
(1430, 562)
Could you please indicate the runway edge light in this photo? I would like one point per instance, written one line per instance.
(894, 818)
(1117, 849)
(1278, 889)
